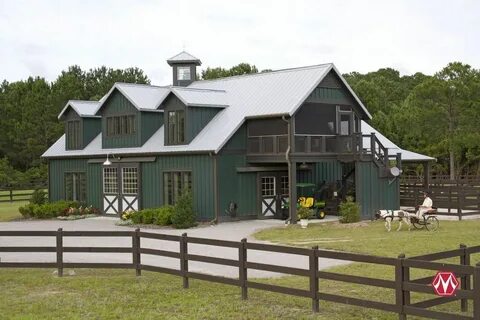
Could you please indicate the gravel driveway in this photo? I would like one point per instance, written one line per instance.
(234, 231)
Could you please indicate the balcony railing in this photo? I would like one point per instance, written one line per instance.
(356, 144)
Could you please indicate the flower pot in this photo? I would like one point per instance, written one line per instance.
(303, 223)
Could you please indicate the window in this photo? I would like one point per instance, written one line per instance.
(345, 124)
(121, 125)
(76, 186)
(73, 135)
(176, 127)
(174, 184)
(268, 186)
(110, 180)
(183, 73)
(129, 180)
(284, 184)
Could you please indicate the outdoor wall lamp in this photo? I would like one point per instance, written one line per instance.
(108, 162)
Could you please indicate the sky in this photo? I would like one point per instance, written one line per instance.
(42, 38)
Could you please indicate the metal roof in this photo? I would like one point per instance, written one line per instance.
(201, 97)
(183, 57)
(392, 147)
(254, 95)
(143, 96)
(82, 108)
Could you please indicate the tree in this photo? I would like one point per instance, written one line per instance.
(219, 72)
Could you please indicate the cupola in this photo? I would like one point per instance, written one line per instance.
(184, 67)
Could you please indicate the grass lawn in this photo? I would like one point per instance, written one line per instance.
(9, 211)
(118, 294)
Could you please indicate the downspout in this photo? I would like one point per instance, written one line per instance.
(289, 164)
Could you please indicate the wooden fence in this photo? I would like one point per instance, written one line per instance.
(23, 192)
(402, 285)
(457, 199)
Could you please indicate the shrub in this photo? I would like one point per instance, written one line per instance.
(39, 196)
(48, 210)
(304, 213)
(349, 211)
(184, 216)
(163, 215)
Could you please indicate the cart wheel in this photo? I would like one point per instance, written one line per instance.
(416, 223)
(432, 223)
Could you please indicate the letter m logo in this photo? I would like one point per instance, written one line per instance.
(445, 283)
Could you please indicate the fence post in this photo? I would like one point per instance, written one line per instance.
(183, 259)
(136, 252)
(313, 279)
(59, 248)
(460, 202)
(400, 294)
(11, 194)
(242, 268)
(465, 280)
(476, 292)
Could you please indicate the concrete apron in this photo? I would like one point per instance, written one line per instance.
(233, 231)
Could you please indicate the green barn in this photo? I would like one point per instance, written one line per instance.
(240, 144)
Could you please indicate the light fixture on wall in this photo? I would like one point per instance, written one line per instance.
(108, 162)
(304, 166)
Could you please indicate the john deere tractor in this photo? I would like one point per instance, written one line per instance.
(309, 196)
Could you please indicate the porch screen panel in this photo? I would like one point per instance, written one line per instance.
(110, 180)
(129, 180)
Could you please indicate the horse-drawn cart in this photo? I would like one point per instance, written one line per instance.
(429, 221)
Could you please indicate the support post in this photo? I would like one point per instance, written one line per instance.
(426, 175)
(292, 180)
(372, 145)
(401, 295)
(136, 252)
(459, 201)
(314, 279)
(242, 268)
(184, 260)
(476, 292)
(465, 279)
(59, 248)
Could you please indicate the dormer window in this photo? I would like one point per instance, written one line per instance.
(183, 73)
(176, 127)
(121, 125)
(73, 135)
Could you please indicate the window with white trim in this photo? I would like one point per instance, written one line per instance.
(129, 180)
(110, 180)
(183, 73)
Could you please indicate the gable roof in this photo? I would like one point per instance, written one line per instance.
(144, 97)
(274, 93)
(392, 147)
(82, 107)
(183, 57)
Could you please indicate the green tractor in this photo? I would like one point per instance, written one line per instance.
(309, 196)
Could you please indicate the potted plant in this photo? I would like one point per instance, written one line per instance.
(304, 214)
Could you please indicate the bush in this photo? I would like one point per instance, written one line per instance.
(39, 196)
(184, 216)
(160, 216)
(48, 210)
(304, 213)
(349, 211)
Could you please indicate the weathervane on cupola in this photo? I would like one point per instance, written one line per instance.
(184, 67)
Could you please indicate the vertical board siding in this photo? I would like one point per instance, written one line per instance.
(201, 167)
(328, 171)
(197, 119)
(91, 128)
(150, 123)
(240, 188)
(95, 185)
(117, 104)
(374, 192)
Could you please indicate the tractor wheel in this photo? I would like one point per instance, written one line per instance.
(320, 214)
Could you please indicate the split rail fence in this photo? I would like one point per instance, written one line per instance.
(402, 285)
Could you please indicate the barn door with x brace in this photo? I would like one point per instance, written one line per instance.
(273, 193)
(121, 185)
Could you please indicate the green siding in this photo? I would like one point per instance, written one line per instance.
(197, 119)
(373, 192)
(91, 128)
(117, 104)
(151, 122)
(57, 170)
(328, 171)
(202, 179)
(330, 95)
(238, 141)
